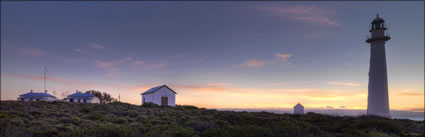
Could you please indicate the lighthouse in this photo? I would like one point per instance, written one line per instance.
(377, 100)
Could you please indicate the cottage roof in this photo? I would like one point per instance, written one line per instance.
(152, 90)
(35, 94)
(298, 105)
(79, 94)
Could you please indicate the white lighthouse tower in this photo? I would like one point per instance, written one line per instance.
(377, 101)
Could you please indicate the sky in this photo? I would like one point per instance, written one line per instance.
(214, 54)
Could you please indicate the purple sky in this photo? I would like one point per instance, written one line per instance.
(214, 54)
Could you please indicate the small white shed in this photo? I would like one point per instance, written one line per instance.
(298, 109)
(160, 95)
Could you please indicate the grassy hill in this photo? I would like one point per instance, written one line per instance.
(47, 119)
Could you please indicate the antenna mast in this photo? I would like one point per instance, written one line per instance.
(45, 71)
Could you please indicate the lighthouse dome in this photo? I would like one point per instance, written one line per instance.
(378, 20)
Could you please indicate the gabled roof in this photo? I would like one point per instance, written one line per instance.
(35, 94)
(79, 94)
(298, 105)
(152, 90)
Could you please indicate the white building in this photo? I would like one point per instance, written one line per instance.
(35, 96)
(160, 95)
(378, 102)
(79, 97)
(298, 109)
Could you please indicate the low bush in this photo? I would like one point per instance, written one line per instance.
(149, 105)
(43, 119)
(170, 131)
(188, 107)
(121, 121)
(96, 117)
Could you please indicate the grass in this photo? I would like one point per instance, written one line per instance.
(51, 119)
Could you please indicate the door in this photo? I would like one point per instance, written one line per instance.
(164, 101)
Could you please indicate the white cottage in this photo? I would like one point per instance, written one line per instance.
(298, 109)
(79, 97)
(160, 95)
(35, 96)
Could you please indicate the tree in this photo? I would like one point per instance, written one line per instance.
(107, 98)
(103, 97)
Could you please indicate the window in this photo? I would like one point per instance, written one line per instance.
(85, 101)
(78, 101)
(143, 100)
(38, 100)
(71, 100)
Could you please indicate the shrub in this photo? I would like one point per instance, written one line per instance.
(189, 107)
(103, 130)
(199, 125)
(14, 131)
(88, 120)
(149, 105)
(35, 113)
(170, 131)
(3, 115)
(86, 109)
(96, 117)
(65, 120)
(120, 121)
(76, 120)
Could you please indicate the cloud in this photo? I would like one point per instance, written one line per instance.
(91, 48)
(32, 52)
(308, 14)
(305, 93)
(83, 51)
(138, 62)
(344, 83)
(276, 84)
(97, 46)
(202, 88)
(218, 84)
(417, 109)
(283, 57)
(113, 67)
(60, 80)
(253, 63)
(151, 66)
(407, 93)
(146, 65)
(256, 63)
(329, 107)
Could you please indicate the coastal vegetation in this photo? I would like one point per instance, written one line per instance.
(51, 119)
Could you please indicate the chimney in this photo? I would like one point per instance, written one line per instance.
(45, 91)
(31, 90)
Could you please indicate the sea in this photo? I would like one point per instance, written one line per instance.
(411, 118)
(395, 114)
